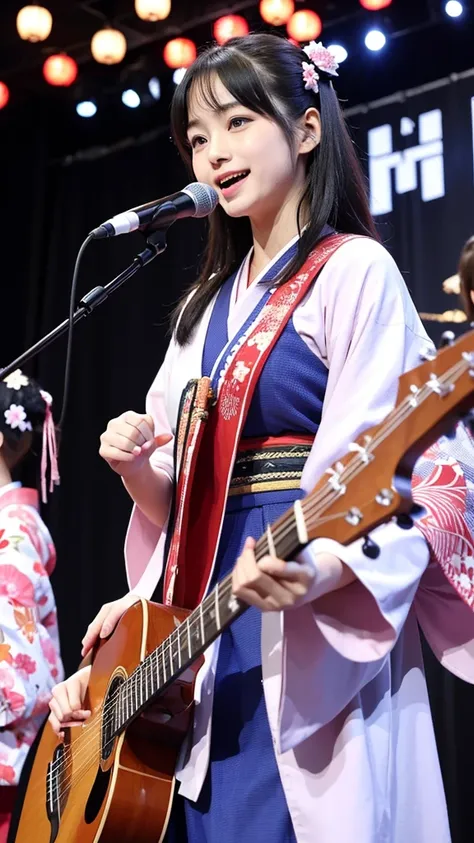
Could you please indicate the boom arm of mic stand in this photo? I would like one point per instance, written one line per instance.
(156, 245)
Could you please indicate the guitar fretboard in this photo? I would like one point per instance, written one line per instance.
(193, 636)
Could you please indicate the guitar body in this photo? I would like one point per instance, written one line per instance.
(120, 790)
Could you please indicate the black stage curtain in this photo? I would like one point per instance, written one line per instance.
(48, 205)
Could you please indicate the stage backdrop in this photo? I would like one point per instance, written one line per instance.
(419, 154)
(421, 165)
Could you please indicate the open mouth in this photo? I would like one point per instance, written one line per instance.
(229, 181)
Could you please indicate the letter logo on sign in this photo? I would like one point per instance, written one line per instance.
(428, 154)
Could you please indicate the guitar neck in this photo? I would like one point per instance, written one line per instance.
(192, 637)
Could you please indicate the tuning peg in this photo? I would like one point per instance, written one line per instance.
(428, 353)
(370, 548)
(404, 521)
(447, 338)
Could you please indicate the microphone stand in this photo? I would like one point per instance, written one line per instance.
(156, 244)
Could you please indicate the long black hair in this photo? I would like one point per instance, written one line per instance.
(264, 73)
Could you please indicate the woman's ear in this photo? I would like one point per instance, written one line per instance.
(311, 131)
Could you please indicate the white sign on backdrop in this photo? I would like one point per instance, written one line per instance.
(421, 165)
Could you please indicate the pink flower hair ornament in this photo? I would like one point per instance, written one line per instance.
(320, 59)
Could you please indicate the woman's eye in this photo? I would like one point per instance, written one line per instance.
(238, 122)
(197, 141)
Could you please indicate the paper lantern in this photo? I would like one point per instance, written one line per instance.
(375, 5)
(4, 95)
(304, 25)
(60, 70)
(277, 12)
(152, 10)
(34, 23)
(230, 26)
(180, 52)
(108, 46)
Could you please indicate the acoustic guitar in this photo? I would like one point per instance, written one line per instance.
(112, 779)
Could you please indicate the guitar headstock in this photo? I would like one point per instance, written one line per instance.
(372, 483)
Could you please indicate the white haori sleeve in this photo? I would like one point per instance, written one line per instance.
(367, 331)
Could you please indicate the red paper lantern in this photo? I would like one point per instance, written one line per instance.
(60, 70)
(276, 12)
(180, 52)
(4, 95)
(230, 26)
(375, 5)
(304, 25)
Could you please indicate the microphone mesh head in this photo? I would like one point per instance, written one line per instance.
(204, 196)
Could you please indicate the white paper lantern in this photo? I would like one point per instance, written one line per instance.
(34, 23)
(108, 46)
(152, 10)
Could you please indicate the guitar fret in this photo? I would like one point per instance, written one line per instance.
(135, 690)
(149, 676)
(154, 674)
(179, 647)
(163, 666)
(201, 620)
(141, 684)
(190, 652)
(216, 607)
(171, 655)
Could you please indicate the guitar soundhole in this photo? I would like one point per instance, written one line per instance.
(57, 788)
(108, 719)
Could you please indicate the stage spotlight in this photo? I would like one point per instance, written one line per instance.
(339, 52)
(130, 98)
(154, 87)
(86, 108)
(454, 8)
(179, 75)
(375, 40)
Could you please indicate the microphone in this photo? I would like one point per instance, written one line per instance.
(195, 200)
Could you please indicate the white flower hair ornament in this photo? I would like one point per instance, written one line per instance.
(16, 379)
(319, 59)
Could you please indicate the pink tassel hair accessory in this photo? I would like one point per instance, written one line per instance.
(49, 449)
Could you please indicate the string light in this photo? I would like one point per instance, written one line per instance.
(4, 95)
(152, 10)
(375, 5)
(60, 70)
(34, 23)
(304, 25)
(276, 12)
(230, 26)
(180, 52)
(108, 46)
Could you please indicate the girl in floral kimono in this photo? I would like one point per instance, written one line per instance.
(312, 721)
(30, 663)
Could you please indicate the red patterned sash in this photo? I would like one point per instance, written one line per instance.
(209, 448)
